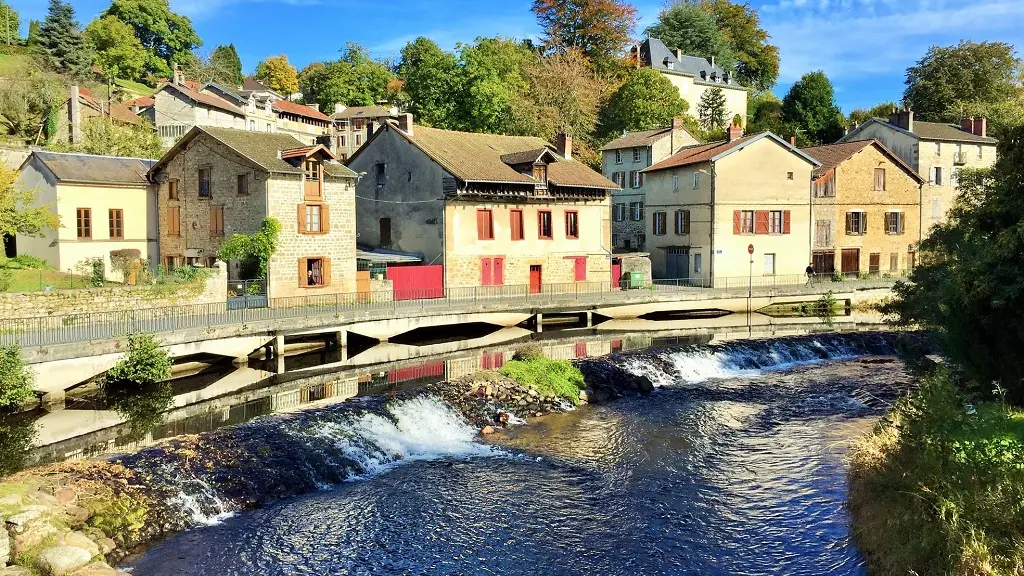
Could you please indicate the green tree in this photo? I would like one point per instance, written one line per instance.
(692, 29)
(567, 92)
(227, 66)
(757, 60)
(106, 137)
(764, 114)
(16, 379)
(370, 77)
(26, 103)
(115, 48)
(882, 110)
(431, 77)
(600, 29)
(168, 37)
(968, 287)
(277, 74)
(711, 109)
(970, 78)
(135, 387)
(145, 362)
(494, 94)
(355, 79)
(810, 106)
(647, 99)
(9, 23)
(19, 211)
(35, 30)
(253, 250)
(61, 45)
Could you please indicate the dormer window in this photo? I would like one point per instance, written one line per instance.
(540, 173)
(312, 180)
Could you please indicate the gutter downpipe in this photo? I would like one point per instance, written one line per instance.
(714, 208)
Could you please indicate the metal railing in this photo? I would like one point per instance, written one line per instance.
(69, 328)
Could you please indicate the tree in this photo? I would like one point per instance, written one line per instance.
(19, 212)
(757, 61)
(432, 77)
(277, 74)
(25, 103)
(600, 29)
(370, 78)
(106, 137)
(9, 23)
(693, 30)
(764, 114)
(135, 387)
(115, 48)
(227, 66)
(35, 30)
(969, 285)
(970, 78)
(61, 45)
(494, 93)
(645, 100)
(810, 106)
(168, 37)
(568, 93)
(16, 379)
(878, 111)
(711, 109)
(355, 79)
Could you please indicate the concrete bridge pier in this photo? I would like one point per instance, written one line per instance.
(590, 319)
(539, 319)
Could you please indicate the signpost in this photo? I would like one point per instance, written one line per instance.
(750, 288)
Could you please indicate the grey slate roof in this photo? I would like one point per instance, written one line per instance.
(634, 139)
(940, 131)
(655, 54)
(92, 169)
(362, 112)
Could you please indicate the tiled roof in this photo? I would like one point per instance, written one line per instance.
(118, 111)
(93, 169)
(655, 54)
(525, 157)
(300, 110)
(832, 155)
(944, 132)
(307, 151)
(362, 112)
(225, 92)
(635, 139)
(204, 98)
(141, 102)
(473, 157)
(708, 152)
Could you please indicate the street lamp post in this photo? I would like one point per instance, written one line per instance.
(750, 286)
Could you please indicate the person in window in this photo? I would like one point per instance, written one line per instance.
(810, 273)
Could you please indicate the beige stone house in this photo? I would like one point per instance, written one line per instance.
(937, 151)
(492, 209)
(353, 126)
(707, 203)
(216, 182)
(692, 75)
(623, 161)
(867, 209)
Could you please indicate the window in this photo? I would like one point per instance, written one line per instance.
(384, 232)
(879, 179)
(174, 221)
(357, 124)
(823, 233)
(359, 139)
(618, 156)
(825, 187)
(938, 149)
(936, 178)
(314, 218)
(775, 222)
(894, 222)
(894, 262)
(116, 224)
(544, 224)
(636, 210)
(959, 154)
(515, 220)
(243, 184)
(743, 222)
(641, 241)
(698, 263)
(540, 174)
(660, 220)
(675, 183)
(342, 124)
(314, 272)
(172, 189)
(979, 151)
(636, 155)
(616, 239)
(381, 170)
(617, 177)
(696, 179)
(636, 179)
(84, 223)
(484, 225)
(856, 223)
(205, 182)
(619, 212)
(769, 264)
(269, 129)
(789, 175)
(682, 221)
(341, 141)
(216, 221)
(252, 125)
(572, 224)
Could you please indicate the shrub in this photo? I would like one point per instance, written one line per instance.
(6, 279)
(124, 261)
(92, 269)
(557, 377)
(144, 363)
(23, 261)
(530, 351)
(16, 379)
(16, 440)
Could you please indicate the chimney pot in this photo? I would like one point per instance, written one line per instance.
(563, 142)
(712, 64)
(792, 140)
(967, 124)
(405, 123)
(677, 123)
(735, 131)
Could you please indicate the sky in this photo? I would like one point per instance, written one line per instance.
(864, 46)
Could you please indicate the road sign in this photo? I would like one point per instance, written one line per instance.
(750, 249)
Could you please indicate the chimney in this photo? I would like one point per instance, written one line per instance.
(851, 128)
(677, 125)
(74, 117)
(314, 106)
(393, 111)
(981, 126)
(563, 142)
(904, 119)
(712, 64)
(735, 131)
(176, 77)
(405, 123)
(792, 141)
(679, 54)
(339, 108)
(369, 128)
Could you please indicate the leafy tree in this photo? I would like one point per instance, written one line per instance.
(9, 23)
(115, 48)
(879, 111)
(35, 30)
(968, 286)
(370, 77)
(711, 109)
(19, 213)
(168, 37)
(26, 103)
(645, 100)
(355, 79)
(145, 362)
(227, 65)
(431, 76)
(764, 113)
(810, 106)
(693, 29)
(600, 29)
(757, 63)
(61, 45)
(106, 137)
(16, 379)
(494, 94)
(568, 93)
(967, 79)
(277, 74)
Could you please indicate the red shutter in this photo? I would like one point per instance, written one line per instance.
(480, 225)
(499, 272)
(736, 229)
(785, 222)
(485, 271)
(581, 268)
(761, 222)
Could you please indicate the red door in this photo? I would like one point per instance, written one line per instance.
(498, 273)
(535, 279)
(616, 272)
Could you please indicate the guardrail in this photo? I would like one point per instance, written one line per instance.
(69, 328)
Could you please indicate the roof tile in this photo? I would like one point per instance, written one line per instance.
(91, 168)
(300, 110)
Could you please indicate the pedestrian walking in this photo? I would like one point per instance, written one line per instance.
(810, 273)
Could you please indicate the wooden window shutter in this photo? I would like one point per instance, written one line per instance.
(686, 221)
(485, 271)
(325, 218)
(849, 223)
(736, 228)
(302, 218)
(786, 222)
(326, 271)
(213, 220)
(302, 272)
(888, 222)
(761, 222)
(499, 272)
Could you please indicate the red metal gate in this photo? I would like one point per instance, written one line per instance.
(413, 282)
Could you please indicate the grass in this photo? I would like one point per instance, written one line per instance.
(136, 88)
(938, 487)
(12, 63)
(37, 280)
(547, 377)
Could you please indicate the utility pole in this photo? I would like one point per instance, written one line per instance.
(7, 23)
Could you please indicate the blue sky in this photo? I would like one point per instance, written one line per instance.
(864, 46)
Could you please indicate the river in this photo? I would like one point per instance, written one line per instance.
(733, 465)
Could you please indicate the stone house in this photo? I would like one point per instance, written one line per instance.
(492, 209)
(693, 75)
(353, 126)
(81, 107)
(179, 106)
(937, 151)
(867, 209)
(623, 161)
(216, 182)
(707, 203)
(105, 203)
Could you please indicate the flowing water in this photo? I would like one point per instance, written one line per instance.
(733, 465)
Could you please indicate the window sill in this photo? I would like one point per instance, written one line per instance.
(545, 238)
(309, 233)
(572, 237)
(315, 286)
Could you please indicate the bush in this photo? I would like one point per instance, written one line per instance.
(16, 379)
(144, 363)
(142, 405)
(16, 440)
(93, 270)
(23, 261)
(6, 279)
(548, 377)
(530, 351)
